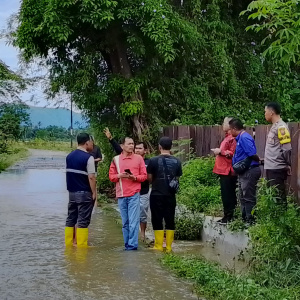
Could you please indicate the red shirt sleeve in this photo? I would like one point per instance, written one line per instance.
(113, 173)
(229, 148)
(143, 172)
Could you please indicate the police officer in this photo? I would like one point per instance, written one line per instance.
(277, 161)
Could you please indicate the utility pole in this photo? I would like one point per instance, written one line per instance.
(71, 128)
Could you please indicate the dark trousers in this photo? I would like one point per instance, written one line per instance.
(277, 178)
(163, 208)
(80, 209)
(228, 193)
(247, 192)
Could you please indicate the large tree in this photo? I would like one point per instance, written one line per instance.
(138, 65)
(106, 52)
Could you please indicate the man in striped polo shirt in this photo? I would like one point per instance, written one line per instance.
(81, 184)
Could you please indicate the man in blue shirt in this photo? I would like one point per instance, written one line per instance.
(246, 148)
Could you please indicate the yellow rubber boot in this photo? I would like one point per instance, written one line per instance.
(82, 237)
(69, 231)
(169, 240)
(159, 239)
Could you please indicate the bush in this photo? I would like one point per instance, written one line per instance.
(199, 172)
(275, 240)
(188, 225)
(201, 198)
(14, 152)
(199, 187)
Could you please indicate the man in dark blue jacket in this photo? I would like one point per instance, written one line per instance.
(81, 184)
(246, 150)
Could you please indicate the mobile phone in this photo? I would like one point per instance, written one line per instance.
(128, 171)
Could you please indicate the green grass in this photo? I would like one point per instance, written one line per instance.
(212, 282)
(49, 145)
(19, 150)
(14, 153)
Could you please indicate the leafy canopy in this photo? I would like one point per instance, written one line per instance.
(280, 22)
(138, 65)
(10, 83)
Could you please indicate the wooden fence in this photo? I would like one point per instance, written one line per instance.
(204, 138)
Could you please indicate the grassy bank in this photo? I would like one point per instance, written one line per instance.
(14, 153)
(49, 145)
(215, 283)
(274, 266)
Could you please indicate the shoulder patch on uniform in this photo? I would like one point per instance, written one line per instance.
(284, 135)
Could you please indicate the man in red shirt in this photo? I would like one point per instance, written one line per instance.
(223, 167)
(128, 170)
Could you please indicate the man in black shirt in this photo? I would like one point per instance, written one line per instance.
(162, 198)
(141, 149)
(96, 153)
(117, 147)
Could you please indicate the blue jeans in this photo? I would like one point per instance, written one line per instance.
(130, 214)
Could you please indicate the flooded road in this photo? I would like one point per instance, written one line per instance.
(34, 263)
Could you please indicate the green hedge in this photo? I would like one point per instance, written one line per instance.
(199, 187)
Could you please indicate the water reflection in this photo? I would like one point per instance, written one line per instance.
(34, 263)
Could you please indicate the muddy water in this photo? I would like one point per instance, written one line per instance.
(34, 263)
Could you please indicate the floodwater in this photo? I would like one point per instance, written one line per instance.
(34, 263)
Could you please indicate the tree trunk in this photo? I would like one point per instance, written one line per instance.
(120, 65)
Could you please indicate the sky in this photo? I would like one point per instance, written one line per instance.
(9, 55)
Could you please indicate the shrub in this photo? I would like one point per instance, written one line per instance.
(198, 172)
(188, 226)
(201, 198)
(199, 187)
(14, 152)
(275, 240)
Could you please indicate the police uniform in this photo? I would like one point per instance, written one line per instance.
(278, 156)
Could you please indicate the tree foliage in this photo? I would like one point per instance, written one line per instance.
(280, 22)
(105, 52)
(12, 116)
(137, 65)
(10, 83)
